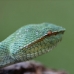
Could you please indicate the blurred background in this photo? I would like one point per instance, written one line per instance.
(16, 13)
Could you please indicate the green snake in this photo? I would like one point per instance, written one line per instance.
(29, 42)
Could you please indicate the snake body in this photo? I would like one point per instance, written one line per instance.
(29, 42)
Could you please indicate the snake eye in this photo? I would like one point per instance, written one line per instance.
(49, 33)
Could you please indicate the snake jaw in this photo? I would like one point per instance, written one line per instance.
(45, 44)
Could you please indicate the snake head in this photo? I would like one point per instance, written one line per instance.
(33, 40)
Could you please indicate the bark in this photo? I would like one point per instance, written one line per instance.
(29, 67)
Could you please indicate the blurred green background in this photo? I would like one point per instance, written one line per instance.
(16, 13)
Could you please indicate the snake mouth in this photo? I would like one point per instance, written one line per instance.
(43, 45)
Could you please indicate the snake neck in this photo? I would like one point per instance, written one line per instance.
(5, 57)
